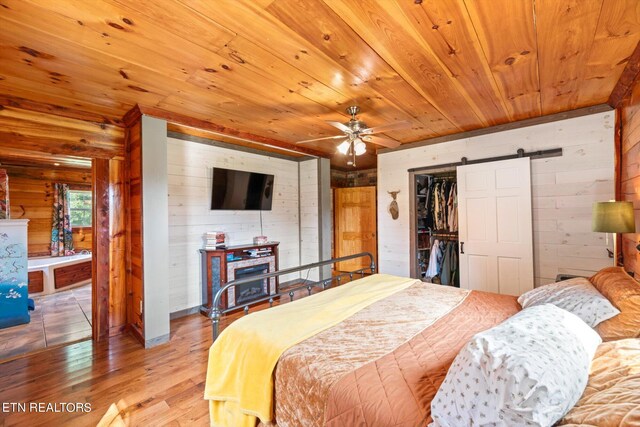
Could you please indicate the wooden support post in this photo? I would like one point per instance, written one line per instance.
(100, 284)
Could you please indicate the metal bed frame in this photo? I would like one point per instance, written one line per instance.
(217, 311)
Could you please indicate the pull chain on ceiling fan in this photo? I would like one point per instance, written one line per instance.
(356, 133)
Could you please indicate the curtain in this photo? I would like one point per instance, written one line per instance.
(4, 194)
(61, 236)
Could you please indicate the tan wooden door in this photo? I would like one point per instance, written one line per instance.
(355, 225)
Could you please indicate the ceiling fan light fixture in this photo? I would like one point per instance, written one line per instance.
(344, 147)
(360, 147)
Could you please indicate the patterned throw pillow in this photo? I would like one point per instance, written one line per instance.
(577, 296)
(528, 371)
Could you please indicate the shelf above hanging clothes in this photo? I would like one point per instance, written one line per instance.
(450, 235)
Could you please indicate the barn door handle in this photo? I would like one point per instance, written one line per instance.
(461, 247)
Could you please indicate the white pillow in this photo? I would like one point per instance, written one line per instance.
(528, 371)
(577, 296)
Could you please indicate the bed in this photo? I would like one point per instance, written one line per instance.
(383, 364)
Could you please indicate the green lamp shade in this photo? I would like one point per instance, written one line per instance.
(613, 217)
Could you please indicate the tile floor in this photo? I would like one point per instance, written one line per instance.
(58, 318)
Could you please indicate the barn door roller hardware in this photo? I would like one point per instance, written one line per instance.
(540, 154)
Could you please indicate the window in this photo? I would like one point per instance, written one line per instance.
(80, 201)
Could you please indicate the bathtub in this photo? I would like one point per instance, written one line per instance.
(48, 275)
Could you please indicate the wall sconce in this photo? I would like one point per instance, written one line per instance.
(613, 217)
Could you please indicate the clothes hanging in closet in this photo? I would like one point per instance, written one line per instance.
(443, 263)
(452, 208)
(449, 270)
(441, 204)
(435, 259)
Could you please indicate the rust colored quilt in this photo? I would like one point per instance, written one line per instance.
(382, 366)
(612, 395)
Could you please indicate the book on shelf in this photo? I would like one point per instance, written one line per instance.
(214, 239)
(257, 253)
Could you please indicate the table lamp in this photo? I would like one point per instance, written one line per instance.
(613, 217)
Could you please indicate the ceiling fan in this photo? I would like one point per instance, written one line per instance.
(356, 131)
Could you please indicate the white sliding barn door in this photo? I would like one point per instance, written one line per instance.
(495, 227)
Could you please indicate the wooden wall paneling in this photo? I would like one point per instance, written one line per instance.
(95, 134)
(76, 177)
(31, 198)
(513, 60)
(17, 157)
(100, 273)
(565, 33)
(630, 172)
(30, 142)
(51, 134)
(360, 178)
(117, 247)
(134, 229)
(71, 108)
(82, 238)
(617, 138)
(564, 189)
(617, 177)
(186, 210)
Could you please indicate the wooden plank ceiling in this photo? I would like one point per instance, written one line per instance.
(280, 68)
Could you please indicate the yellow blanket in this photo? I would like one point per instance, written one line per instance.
(241, 361)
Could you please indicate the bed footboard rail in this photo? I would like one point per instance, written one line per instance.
(216, 312)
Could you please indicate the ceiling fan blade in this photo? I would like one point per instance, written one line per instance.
(320, 139)
(386, 128)
(341, 126)
(385, 142)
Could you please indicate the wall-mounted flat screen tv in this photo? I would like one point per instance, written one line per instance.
(240, 190)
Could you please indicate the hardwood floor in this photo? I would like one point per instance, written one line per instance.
(163, 385)
(159, 386)
(59, 318)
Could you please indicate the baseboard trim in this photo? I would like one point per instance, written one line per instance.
(156, 341)
(186, 312)
(136, 333)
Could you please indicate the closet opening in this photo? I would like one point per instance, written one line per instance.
(434, 227)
